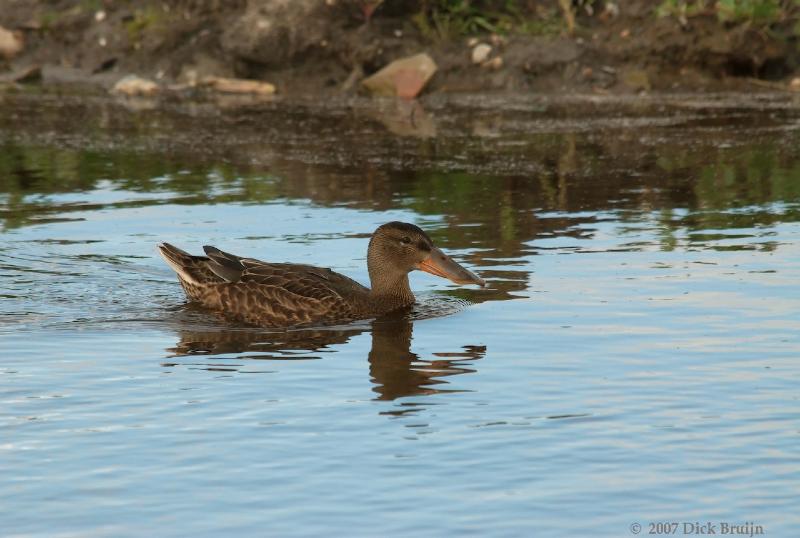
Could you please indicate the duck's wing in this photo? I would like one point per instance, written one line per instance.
(282, 293)
(304, 280)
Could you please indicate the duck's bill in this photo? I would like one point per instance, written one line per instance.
(440, 264)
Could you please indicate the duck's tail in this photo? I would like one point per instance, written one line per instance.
(182, 262)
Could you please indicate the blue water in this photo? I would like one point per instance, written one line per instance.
(634, 358)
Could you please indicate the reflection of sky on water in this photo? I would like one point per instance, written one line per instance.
(632, 359)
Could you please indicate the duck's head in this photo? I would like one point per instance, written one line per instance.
(397, 248)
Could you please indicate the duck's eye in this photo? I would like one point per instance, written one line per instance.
(406, 240)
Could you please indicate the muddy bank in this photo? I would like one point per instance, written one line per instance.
(328, 47)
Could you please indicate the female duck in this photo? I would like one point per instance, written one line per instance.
(287, 294)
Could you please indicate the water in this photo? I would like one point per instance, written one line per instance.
(634, 358)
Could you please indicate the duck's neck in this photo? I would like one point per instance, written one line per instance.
(389, 289)
(390, 295)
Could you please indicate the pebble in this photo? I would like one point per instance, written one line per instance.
(135, 85)
(239, 85)
(497, 40)
(480, 53)
(403, 78)
(493, 64)
(10, 43)
(610, 11)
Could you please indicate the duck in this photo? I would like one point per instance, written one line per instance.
(281, 295)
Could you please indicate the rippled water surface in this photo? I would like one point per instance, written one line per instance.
(635, 357)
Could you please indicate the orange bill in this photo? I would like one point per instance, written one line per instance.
(440, 264)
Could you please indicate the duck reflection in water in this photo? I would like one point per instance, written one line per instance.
(394, 369)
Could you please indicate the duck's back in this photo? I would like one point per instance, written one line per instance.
(267, 294)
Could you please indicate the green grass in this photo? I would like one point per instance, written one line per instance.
(145, 19)
(757, 12)
(449, 19)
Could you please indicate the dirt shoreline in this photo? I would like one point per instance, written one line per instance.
(316, 47)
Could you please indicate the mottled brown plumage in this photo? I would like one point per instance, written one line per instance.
(288, 294)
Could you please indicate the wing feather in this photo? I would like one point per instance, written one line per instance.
(278, 294)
